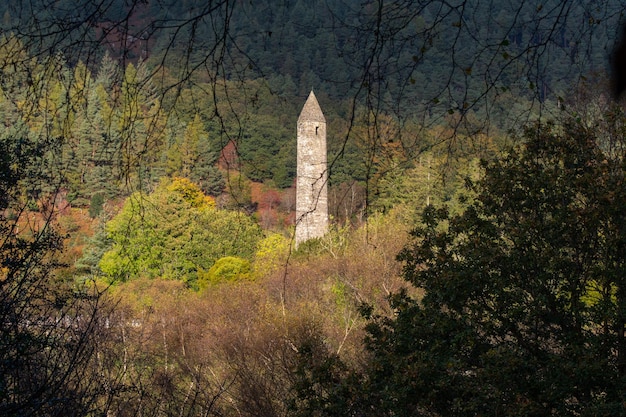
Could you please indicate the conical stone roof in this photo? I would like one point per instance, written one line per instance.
(311, 112)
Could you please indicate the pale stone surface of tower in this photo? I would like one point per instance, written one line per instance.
(312, 173)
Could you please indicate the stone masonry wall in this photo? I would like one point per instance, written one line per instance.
(312, 173)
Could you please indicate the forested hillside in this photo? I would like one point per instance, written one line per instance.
(427, 50)
(428, 73)
(474, 262)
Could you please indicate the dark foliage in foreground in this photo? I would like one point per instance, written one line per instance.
(525, 300)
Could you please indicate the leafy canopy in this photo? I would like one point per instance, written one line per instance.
(173, 233)
(524, 306)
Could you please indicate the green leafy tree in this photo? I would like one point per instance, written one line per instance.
(226, 269)
(272, 253)
(524, 302)
(173, 233)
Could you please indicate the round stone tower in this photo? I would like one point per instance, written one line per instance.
(312, 173)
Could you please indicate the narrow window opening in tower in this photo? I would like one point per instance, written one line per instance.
(316, 127)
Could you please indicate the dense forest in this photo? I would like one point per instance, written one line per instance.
(475, 260)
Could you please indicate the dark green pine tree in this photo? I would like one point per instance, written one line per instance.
(96, 246)
(102, 177)
(190, 155)
(93, 149)
(205, 173)
(79, 163)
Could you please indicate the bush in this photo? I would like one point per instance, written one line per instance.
(228, 268)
